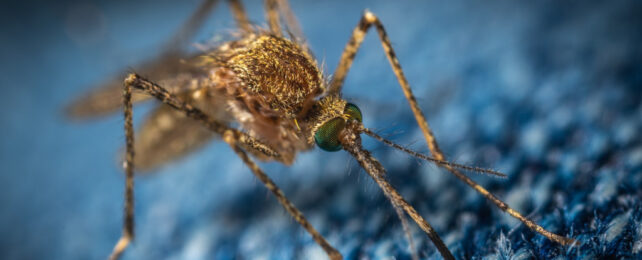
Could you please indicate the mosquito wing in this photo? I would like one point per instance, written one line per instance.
(106, 98)
(168, 134)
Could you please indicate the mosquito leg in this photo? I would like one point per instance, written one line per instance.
(406, 229)
(272, 13)
(235, 138)
(369, 19)
(231, 139)
(274, 9)
(190, 27)
(240, 15)
(292, 23)
(134, 81)
(128, 224)
(352, 144)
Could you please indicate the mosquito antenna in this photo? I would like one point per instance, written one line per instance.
(406, 229)
(428, 158)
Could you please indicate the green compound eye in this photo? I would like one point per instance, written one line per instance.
(327, 137)
(353, 112)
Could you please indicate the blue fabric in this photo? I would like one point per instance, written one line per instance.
(547, 92)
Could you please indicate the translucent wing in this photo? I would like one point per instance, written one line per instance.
(106, 97)
(168, 134)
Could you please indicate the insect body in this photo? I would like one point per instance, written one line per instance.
(271, 85)
(264, 94)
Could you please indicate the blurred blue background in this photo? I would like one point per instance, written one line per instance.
(548, 92)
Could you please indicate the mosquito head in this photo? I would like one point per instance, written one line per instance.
(327, 135)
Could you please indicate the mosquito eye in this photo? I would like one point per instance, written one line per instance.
(327, 137)
(353, 112)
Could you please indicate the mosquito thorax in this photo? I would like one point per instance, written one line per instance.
(330, 116)
(277, 70)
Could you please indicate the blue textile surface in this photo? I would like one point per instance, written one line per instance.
(548, 92)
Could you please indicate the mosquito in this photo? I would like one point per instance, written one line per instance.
(264, 95)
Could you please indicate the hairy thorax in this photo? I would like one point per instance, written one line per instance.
(271, 84)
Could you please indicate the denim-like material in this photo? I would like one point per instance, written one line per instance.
(546, 92)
